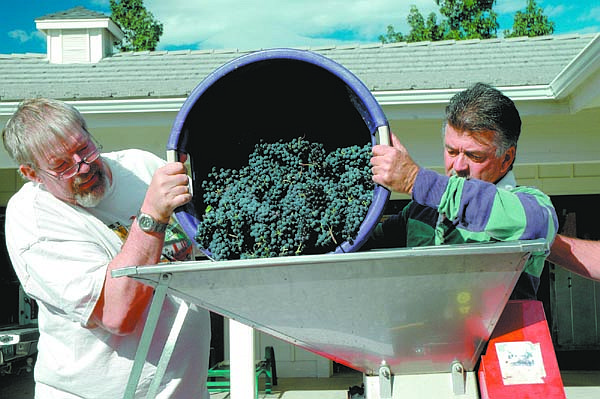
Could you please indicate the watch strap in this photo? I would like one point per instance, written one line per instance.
(149, 224)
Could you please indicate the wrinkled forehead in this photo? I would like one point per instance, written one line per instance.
(482, 138)
(62, 144)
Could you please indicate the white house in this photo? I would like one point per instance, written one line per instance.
(131, 100)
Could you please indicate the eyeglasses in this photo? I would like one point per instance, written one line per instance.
(72, 170)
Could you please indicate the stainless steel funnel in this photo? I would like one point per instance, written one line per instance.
(417, 309)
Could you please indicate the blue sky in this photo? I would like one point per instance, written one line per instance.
(247, 25)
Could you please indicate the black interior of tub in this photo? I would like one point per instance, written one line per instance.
(270, 100)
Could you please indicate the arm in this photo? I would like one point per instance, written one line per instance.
(576, 255)
(473, 205)
(123, 300)
(522, 213)
(480, 211)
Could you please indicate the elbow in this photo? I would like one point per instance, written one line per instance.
(127, 320)
(543, 224)
(119, 320)
(120, 326)
(123, 329)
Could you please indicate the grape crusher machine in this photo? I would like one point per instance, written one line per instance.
(414, 321)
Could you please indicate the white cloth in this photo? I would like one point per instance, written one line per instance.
(60, 253)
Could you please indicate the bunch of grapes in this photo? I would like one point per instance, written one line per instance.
(291, 198)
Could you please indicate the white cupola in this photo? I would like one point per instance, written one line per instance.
(78, 35)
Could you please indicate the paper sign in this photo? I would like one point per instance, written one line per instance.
(521, 363)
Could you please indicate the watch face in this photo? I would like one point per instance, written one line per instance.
(145, 222)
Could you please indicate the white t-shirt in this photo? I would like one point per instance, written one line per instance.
(60, 253)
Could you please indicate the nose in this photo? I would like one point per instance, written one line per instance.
(461, 165)
(84, 167)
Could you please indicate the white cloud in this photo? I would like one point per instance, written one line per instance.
(592, 15)
(556, 11)
(251, 24)
(272, 23)
(591, 20)
(22, 36)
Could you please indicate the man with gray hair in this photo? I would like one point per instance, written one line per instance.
(82, 214)
(477, 200)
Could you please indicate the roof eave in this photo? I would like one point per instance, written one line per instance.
(114, 106)
(384, 98)
(403, 97)
(579, 81)
(83, 23)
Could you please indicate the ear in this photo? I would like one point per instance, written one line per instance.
(509, 158)
(29, 173)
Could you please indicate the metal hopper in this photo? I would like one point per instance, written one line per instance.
(415, 310)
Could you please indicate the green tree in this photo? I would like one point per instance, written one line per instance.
(530, 23)
(421, 30)
(142, 31)
(391, 36)
(463, 19)
(468, 19)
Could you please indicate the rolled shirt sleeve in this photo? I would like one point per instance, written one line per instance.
(480, 209)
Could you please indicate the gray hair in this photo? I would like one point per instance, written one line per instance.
(37, 125)
(483, 108)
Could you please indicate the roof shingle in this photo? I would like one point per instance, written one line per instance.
(389, 67)
(78, 12)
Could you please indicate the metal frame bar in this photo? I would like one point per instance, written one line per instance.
(160, 294)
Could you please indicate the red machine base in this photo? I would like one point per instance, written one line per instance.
(520, 361)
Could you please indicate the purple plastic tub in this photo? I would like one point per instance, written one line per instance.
(271, 95)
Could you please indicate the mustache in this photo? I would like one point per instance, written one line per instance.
(454, 173)
(95, 169)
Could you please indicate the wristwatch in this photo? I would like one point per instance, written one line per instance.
(148, 224)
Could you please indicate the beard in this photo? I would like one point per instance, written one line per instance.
(91, 197)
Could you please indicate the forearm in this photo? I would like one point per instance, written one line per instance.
(477, 206)
(576, 255)
(123, 299)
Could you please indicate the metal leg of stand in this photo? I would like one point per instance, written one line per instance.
(167, 351)
(160, 294)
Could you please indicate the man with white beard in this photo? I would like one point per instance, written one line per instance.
(81, 215)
